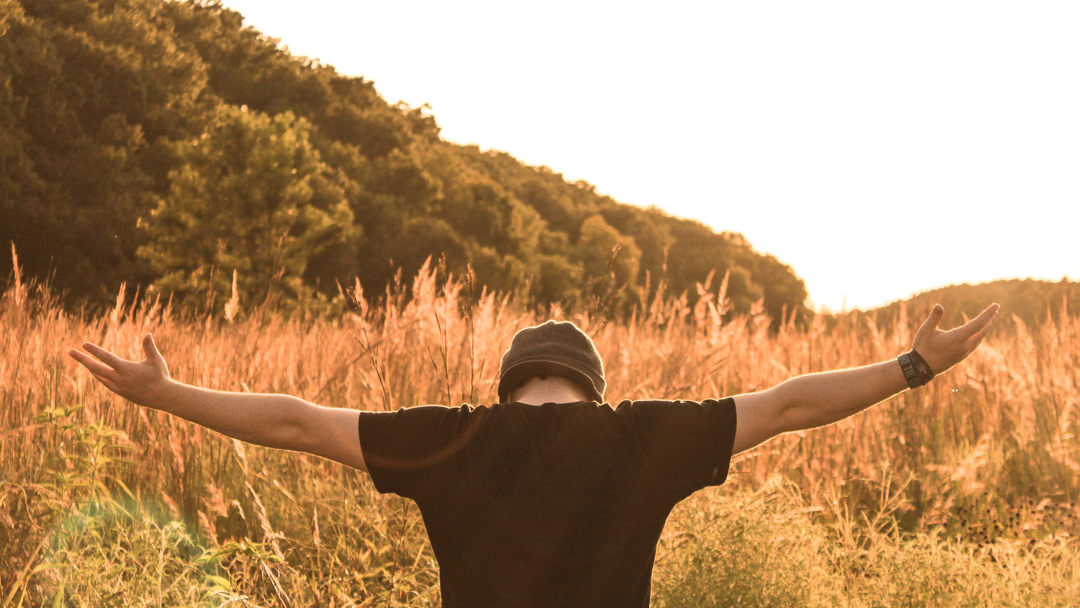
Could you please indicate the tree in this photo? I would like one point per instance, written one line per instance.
(90, 96)
(250, 195)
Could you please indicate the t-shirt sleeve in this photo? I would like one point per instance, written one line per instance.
(409, 451)
(687, 444)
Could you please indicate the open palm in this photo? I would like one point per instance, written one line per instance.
(137, 381)
(944, 349)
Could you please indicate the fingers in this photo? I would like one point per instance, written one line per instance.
(108, 383)
(989, 314)
(151, 350)
(977, 337)
(92, 365)
(110, 359)
(931, 322)
(991, 311)
(153, 356)
(936, 315)
(979, 325)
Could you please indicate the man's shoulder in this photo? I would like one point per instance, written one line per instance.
(431, 410)
(674, 403)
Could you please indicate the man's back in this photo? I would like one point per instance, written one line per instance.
(557, 504)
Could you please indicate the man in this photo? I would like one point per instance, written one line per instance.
(550, 497)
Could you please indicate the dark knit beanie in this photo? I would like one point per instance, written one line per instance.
(555, 348)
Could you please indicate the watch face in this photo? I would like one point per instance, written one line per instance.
(922, 368)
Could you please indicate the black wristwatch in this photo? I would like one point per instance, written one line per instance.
(916, 370)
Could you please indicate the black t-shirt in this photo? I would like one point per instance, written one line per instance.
(551, 505)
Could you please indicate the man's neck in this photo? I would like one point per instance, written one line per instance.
(552, 389)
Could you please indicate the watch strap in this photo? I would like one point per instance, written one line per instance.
(917, 371)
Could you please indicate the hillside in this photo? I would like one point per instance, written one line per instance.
(1030, 300)
(165, 145)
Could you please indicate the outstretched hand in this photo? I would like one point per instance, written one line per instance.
(944, 349)
(140, 382)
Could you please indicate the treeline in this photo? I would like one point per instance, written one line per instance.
(166, 145)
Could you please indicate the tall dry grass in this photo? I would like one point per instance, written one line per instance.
(105, 503)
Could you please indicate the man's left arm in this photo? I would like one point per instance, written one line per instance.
(815, 400)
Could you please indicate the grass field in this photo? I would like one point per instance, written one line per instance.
(961, 493)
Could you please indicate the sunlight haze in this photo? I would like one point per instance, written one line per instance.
(880, 149)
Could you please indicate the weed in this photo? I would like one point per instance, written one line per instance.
(963, 492)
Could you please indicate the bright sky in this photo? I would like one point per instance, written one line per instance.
(879, 148)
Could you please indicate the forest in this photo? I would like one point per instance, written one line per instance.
(166, 146)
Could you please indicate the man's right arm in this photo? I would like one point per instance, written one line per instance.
(277, 421)
(814, 400)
